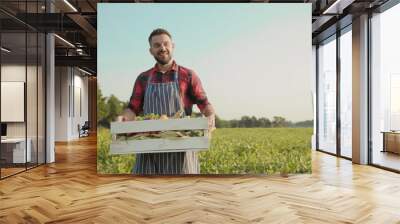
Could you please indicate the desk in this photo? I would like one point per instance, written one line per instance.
(391, 141)
(13, 150)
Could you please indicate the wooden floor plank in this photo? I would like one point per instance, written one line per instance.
(70, 191)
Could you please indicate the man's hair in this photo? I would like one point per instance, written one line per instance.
(159, 31)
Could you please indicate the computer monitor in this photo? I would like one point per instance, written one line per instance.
(3, 129)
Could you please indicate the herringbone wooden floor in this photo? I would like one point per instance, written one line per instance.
(70, 191)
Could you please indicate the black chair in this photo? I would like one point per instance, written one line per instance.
(84, 130)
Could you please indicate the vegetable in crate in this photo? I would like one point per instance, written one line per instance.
(162, 134)
(148, 117)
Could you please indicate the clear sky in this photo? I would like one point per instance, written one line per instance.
(252, 58)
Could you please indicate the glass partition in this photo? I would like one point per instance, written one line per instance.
(22, 90)
(13, 92)
(327, 96)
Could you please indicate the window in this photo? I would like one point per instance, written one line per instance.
(346, 93)
(327, 96)
(385, 88)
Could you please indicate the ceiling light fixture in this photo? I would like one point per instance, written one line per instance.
(337, 7)
(5, 50)
(79, 51)
(329, 9)
(86, 72)
(64, 40)
(71, 6)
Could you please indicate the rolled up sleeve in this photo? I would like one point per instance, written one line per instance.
(137, 97)
(199, 96)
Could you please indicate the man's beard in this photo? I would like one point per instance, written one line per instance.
(163, 61)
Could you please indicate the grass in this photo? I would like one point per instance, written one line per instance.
(233, 151)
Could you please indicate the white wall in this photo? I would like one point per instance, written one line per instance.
(33, 127)
(61, 103)
(14, 73)
(80, 105)
(71, 93)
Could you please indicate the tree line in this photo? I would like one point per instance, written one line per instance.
(110, 107)
(254, 122)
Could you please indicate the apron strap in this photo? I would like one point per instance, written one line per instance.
(149, 79)
(176, 77)
(176, 81)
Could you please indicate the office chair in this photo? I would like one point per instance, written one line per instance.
(84, 130)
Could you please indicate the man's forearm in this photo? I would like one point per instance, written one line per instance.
(208, 110)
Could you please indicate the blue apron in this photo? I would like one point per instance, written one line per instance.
(164, 98)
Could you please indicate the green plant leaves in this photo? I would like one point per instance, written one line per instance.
(233, 151)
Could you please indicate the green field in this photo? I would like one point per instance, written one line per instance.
(233, 151)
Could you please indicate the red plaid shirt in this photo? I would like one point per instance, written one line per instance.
(189, 85)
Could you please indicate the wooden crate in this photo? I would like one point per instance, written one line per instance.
(159, 145)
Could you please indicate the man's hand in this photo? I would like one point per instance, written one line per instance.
(127, 115)
(210, 114)
(211, 123)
